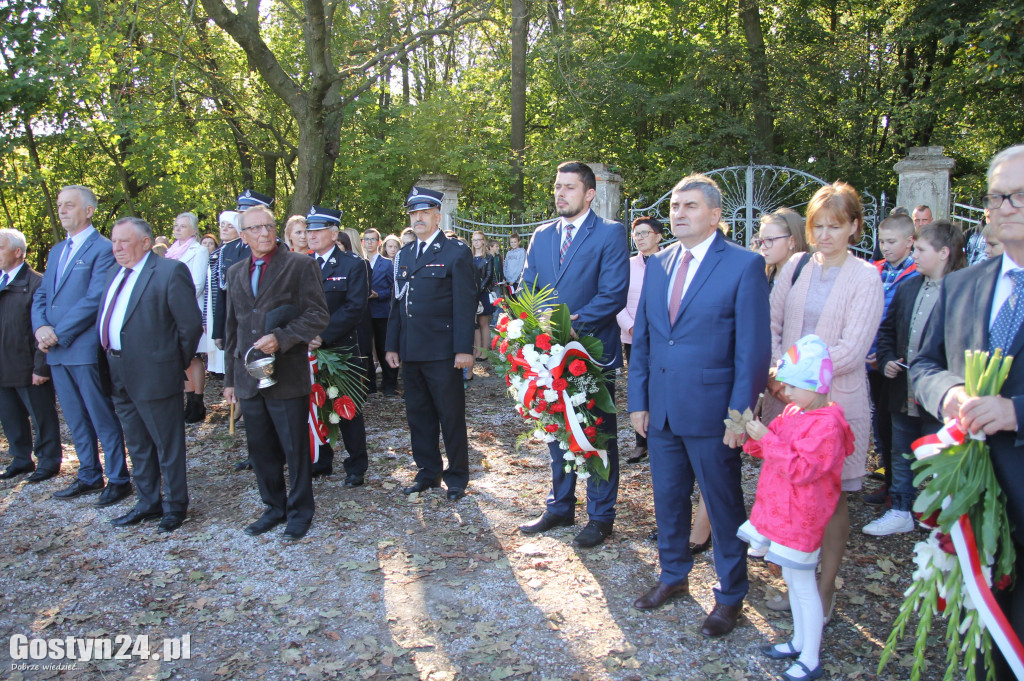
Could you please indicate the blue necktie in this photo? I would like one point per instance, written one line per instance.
(256, 277)
(1011, 314)
(3, 281)
(63, 263)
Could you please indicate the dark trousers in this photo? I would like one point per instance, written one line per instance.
(89, 414)
(38, 403)
(276, 432)
(435, 405)
(154, 431)
(881, 421)
(353, 434)
(601, 494)
(675, 462)
(388, 376)
(641, 441)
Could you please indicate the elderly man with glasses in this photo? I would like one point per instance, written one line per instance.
(275, 306)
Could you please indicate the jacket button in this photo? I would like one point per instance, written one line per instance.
(255, 310)
(254, 330)
(671, 342)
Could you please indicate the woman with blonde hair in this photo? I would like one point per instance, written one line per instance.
(484, 264)
(780, 236)
(837, 297)
(188, 249)
(295, 234)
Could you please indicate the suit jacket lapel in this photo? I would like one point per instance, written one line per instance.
(328, 268)
(70, 264)
(582, 232)
(271, 272)
(140, 285)
(704, 268)
(429, 255)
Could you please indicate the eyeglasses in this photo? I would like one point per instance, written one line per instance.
(993, 201)
(259, 228)
(766, 242)
(642, 235)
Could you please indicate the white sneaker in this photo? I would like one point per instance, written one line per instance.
(893, 522)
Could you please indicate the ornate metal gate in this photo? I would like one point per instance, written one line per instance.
(752, 190)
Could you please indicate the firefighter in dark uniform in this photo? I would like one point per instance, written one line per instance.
(430, 335)
(228, 254)
(347, 291)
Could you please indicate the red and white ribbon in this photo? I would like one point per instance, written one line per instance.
(317, 428)
(970, 561)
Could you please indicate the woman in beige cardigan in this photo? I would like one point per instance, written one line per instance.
(838, 297)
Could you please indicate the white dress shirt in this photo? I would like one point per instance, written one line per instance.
(699, 252)
(577, 223)
(121, 306)
(76, 243)
(11, 274)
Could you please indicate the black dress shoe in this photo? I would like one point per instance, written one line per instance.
(547, 522)
(420, 486)
(593, 534)
(42, 474)
(653, 536)
(136, 516)
(295, 533)
(264, 524)
(390, 392)
(700, 548)
(13, 471)
(77, 489)
(639, 454)
(244, 465)
(455, 494)
(722, 620)
(113, 494)
(170, 522)
(353, 480)
(656, 597)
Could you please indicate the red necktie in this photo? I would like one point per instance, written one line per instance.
(677, 288)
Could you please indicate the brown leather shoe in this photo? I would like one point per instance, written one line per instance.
(722, 619)
(656, 597)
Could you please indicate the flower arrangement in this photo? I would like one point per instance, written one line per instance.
(969, 541)
(553, 378)
(339, 390)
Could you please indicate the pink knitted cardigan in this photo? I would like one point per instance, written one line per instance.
(848, 324)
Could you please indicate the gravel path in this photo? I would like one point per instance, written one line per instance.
(390, 587)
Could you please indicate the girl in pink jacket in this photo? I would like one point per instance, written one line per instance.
(803, 451)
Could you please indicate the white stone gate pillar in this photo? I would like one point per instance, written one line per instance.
(924, 180)
(609, 192)
(450, 186)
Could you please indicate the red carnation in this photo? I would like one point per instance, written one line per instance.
(946, 544)
(591, 403)
(590, 431)
(1003, 583)
(502, 325)
(319, 395)
(598, 421)
(495, 341)
(498, 302)
(524, 316)
(508, 380)
(541, 406)
(503, 348)
(551, 427)
(557, 408)
(345, 407)
(543, 341)
(577, 367)
(560, 384)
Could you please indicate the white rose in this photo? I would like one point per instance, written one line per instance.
(334, 418)
(550, 396)
(515, 329)
(333, 392)
(582, 474)
(539, 434)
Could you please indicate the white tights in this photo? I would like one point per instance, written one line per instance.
(808, 619)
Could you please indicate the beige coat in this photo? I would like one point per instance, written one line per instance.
(848, 324)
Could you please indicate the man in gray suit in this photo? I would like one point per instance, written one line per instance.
(149, 327)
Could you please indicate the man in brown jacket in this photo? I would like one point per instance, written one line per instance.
(25, 386)
(275, 304)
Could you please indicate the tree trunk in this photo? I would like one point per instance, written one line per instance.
(315, 164)
(520, 28)
(764, 116)
(33, 152)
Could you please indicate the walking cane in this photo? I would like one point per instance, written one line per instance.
(231, 421)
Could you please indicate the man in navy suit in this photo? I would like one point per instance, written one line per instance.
(149, 328)
(345, 288)
(701, 346)
(981, 308)
(64, 322)
(430, 334)
(382, 281)
(585, 259)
